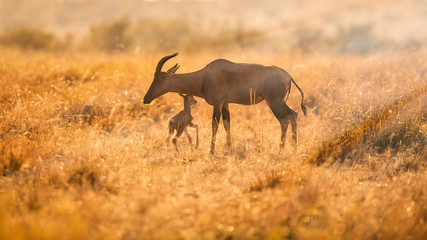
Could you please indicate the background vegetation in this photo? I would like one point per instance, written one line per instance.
(82, 158)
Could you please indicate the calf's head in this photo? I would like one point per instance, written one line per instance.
(188, 99)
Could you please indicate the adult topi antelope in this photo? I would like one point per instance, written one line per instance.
(222, 82)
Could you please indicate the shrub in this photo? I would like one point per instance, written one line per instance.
(35, 39)
(29, 38)
(110, 36)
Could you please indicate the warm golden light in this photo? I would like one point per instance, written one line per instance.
(82, 156)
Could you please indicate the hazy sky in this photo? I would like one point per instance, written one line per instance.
(395, 20)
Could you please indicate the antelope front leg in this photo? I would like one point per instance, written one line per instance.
(215, 122)
(226, 122)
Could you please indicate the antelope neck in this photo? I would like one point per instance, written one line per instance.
(189, 83)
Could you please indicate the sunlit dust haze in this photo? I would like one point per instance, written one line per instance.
(82, 157)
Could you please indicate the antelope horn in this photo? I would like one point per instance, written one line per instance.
(163, 60)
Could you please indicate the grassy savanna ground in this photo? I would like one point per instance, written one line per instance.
(83, 158)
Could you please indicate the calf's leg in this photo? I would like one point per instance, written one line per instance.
(189, 138)
(197, 133)
(170, 133)
(178, 134)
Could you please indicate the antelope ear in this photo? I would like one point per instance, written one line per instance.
(173, 69)
(180, 94)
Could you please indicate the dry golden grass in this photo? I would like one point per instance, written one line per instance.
(82, 158)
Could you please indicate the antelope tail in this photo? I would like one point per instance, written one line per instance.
(303, 102)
